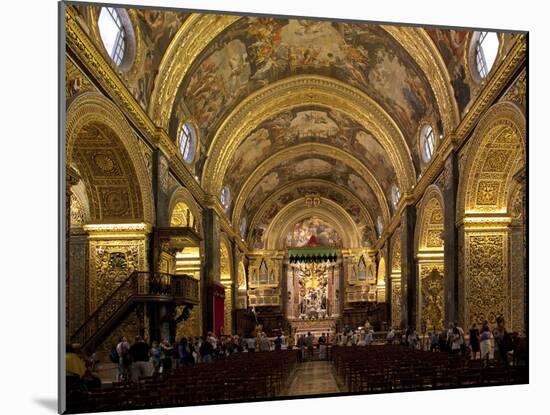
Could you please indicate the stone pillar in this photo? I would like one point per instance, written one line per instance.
(388, 279)
(210, 266)
(234, 285)
(284, 289)
(450, 239)
(76, 292)
(408, 268)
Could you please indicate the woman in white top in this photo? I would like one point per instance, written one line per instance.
(456, 341)
(485, 342)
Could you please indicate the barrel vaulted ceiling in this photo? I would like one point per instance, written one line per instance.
(287, 107)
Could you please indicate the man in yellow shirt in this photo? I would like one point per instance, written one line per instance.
(74, 364)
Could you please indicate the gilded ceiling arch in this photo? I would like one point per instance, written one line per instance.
(316, 124)
(430, 223)
(312, 192)
(328, 211)
(183, 195)
(357, 176)
(294, 92)
(200, 30)
(497, 151)
(101, 142)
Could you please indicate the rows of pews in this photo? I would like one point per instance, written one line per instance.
(241, 376)
(395, 368)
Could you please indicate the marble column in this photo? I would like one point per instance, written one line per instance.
(408, 268)
(449, 186)
(210, 267)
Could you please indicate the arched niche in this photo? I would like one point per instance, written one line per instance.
(104, 149)
(181, 202)
(429, 257)
(497, 151)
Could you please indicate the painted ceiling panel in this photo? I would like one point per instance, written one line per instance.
(309, 124)
(254, 52)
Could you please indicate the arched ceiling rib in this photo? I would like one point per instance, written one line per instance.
(294, 212)
(293, 93)
(200, 31)
(309, 124)
(312, 160)
(308, 190)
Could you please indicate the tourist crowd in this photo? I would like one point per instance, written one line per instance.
(141, 359)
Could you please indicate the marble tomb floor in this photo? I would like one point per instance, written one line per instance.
(313, 378)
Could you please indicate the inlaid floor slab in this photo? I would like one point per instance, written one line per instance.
(312, 378)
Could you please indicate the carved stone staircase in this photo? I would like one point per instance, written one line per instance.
(138, 288)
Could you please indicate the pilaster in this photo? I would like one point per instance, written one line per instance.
(408, 268)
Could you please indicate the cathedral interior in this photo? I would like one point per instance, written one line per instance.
(226, 172)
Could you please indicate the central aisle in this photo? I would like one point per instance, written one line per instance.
(312, 378)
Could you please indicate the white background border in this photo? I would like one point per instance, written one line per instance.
(28, 273)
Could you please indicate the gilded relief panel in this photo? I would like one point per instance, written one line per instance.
(77, 262)
(228, 311)
(486, 276)
(518, 281)
(111, 262)
(396, 303)
(431, 302)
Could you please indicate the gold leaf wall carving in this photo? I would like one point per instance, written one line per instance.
(111, 262)
(486, 276)
(431, 296)
(396, 303)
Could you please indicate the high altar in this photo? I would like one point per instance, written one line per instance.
(313, 302)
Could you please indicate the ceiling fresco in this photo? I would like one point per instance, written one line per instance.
(309, 124)
(254, 52)
(276, 204)
(453, 46)
(157, 29)
(307, 167)
(311, 147)
(313, 229)
(154, 30)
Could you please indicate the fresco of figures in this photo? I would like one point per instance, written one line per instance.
(309, 124)
(254, 52)
(453, 46)
(157, 29)
(154, 30)
(295, 193)
(303, 231)
(321, 167)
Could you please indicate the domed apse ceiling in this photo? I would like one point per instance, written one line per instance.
(254, 52)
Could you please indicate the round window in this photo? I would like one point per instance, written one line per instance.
(485, 45)
(427, 140)
(395, 194)
(380, 225)
(187, 142)
(242, 227)
(113, 33)
(225, 197)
